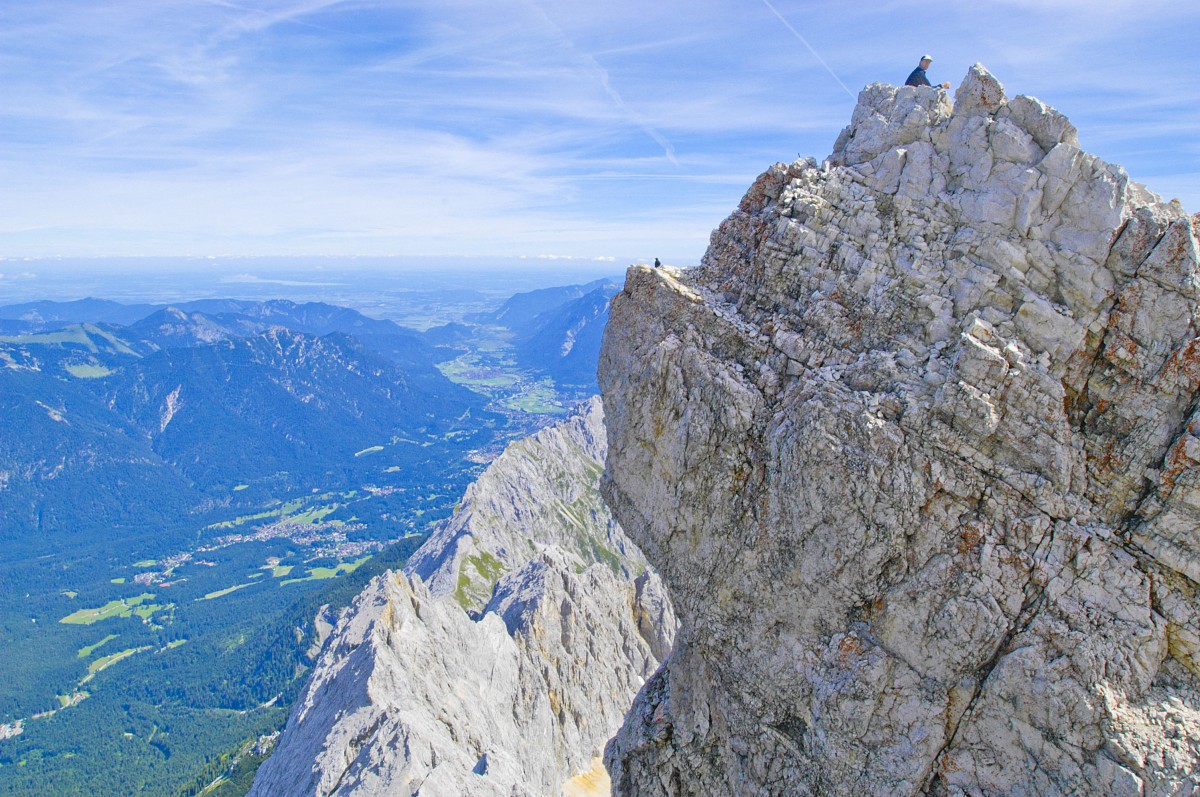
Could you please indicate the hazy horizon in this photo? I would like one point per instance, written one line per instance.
(382, 286)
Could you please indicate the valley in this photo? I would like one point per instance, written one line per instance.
(194, 495)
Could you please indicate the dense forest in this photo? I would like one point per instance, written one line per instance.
(172, 718)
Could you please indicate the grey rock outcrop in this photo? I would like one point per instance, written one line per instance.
(416, 695)
(916, 450)
(544, 492)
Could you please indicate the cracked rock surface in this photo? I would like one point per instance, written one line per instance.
(426, 690)
(916, 450)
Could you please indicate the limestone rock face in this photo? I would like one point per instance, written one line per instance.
(416, 696)
(544, 492)
(917, 451)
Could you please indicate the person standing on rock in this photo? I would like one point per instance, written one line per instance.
(918, 78)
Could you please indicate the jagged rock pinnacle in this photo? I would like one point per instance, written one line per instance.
(917, 452)
(414, 695)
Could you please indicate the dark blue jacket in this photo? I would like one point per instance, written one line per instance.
(917, 78)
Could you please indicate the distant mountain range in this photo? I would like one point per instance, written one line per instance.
(39, 316)
(565, 343)
(139, 424)
(137, 415)
(520, 313)
(557, 331)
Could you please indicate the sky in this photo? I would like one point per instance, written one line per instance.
(607, 131)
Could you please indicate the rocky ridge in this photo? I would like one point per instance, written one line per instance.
(916, 450)
(545, 492)
(502, 659)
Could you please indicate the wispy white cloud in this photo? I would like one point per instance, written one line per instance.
(511, 127)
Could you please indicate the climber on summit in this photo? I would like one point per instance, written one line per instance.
(918, 78)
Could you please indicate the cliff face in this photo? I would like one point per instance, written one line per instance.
(414, 695)
(544, 491)
(917, 452)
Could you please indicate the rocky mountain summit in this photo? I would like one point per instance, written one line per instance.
(916, 450)
(502, 659)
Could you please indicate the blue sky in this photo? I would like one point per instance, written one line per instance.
(623, 130)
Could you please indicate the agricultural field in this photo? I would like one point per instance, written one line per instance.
(121, 607)
(539, 398)
(489, 368)
(322, 573)
(483, 373)
(83, 371)
(221, 592)
(88, 650)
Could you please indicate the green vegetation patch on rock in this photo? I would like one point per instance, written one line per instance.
(476, 577)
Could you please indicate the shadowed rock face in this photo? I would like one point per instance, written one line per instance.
(917, 452)
(505, 656)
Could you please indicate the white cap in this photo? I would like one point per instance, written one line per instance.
(927, 58)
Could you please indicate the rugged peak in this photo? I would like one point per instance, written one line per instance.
(979, 93)
(888, 117)
(917, 452)
(503, 659)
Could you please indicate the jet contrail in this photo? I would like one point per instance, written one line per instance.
(602, 74)
(804, 41)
